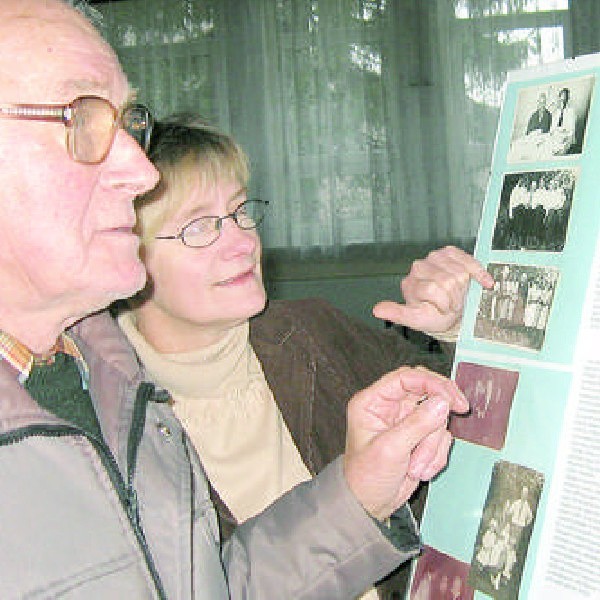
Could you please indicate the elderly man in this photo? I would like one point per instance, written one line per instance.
(541, 119)
(102, 494)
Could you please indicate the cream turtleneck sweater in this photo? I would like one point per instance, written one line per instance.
(224, 403)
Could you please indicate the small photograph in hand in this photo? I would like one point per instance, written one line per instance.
(505, 530)
(490, 392)
(439, 576)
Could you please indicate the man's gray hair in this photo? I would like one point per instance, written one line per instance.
(93, 15)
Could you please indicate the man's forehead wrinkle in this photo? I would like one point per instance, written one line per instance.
(49, 12)
(104, 74)
(53, 24)
(83, 86)
(27, 20)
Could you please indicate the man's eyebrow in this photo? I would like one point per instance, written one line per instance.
(87, 87)
(81, 85)
(131, 96)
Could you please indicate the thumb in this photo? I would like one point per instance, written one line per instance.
(417, 316)
(424, 420)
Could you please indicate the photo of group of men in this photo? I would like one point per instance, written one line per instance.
(534, 210)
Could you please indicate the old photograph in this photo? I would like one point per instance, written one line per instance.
(490, 392)
(516, 310)
(534, 209)
(551, 120)
(439, 576)
(505, 530)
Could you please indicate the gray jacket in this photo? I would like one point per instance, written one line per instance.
(129, 516)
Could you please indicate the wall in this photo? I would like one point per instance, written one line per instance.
(354, 295)
(353, 282)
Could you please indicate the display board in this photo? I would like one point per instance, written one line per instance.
(516, 514)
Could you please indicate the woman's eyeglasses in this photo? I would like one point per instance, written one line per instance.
(205, 231)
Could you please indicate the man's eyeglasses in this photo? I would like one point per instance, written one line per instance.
(91, 123)
(206, 230)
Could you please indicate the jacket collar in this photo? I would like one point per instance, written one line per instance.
(115, 375)
(290, 371)
(273, 326)
(22, 359)
(99, 339)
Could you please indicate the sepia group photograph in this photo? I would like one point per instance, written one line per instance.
(517, 309)
(505, 530)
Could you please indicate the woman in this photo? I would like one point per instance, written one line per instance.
(261, 392)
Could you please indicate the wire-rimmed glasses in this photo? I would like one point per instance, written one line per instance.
(205, 231)
(91, 124)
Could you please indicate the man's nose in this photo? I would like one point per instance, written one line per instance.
(128, 167)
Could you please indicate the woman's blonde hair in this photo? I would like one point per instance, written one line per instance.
(189, 153)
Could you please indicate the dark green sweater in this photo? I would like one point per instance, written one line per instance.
(57, 387)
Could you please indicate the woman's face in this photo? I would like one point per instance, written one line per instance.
(197, 294)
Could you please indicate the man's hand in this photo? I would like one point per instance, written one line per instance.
(434, 292)
(397, 436)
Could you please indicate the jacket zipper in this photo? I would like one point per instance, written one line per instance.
(125, 492)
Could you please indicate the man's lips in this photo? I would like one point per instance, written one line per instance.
(237, 279)
(125, 228)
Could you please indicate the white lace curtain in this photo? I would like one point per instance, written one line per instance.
(369, 123)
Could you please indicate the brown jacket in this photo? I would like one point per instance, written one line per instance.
(315, 358)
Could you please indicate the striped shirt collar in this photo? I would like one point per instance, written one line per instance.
(22, 358)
